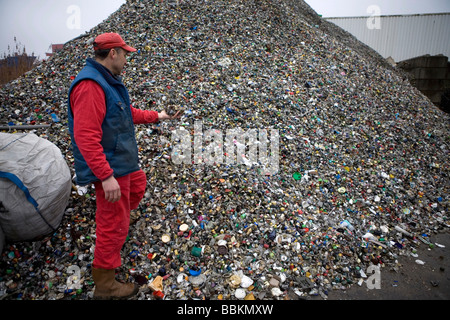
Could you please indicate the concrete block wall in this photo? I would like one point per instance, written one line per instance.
(429, 74)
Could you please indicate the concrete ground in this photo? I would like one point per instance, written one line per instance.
(413, 281)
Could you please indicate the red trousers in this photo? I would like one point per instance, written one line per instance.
(113, 219)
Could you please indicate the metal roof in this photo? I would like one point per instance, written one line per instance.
(401, 37)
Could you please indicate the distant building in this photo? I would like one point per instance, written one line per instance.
(401, 37)
(55, 48)
(11, 67)
(419, 44)
(17, 60)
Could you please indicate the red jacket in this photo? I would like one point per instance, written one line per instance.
(88, 105)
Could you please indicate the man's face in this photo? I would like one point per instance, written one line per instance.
(119, 59)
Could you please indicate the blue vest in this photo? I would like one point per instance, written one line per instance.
(118, 140)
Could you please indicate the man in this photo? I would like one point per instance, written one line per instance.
(101, 126)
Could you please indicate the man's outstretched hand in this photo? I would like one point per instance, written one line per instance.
(164, 116)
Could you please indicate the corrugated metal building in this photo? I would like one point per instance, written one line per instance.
(401, 37)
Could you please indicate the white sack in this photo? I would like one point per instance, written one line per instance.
(42, 170)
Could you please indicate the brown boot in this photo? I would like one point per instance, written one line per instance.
(107, 287)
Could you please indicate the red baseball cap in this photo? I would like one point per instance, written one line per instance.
(111, 40)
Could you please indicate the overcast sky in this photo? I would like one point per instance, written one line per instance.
(37, 24)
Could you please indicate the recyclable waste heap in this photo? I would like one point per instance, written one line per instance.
(363, 172)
